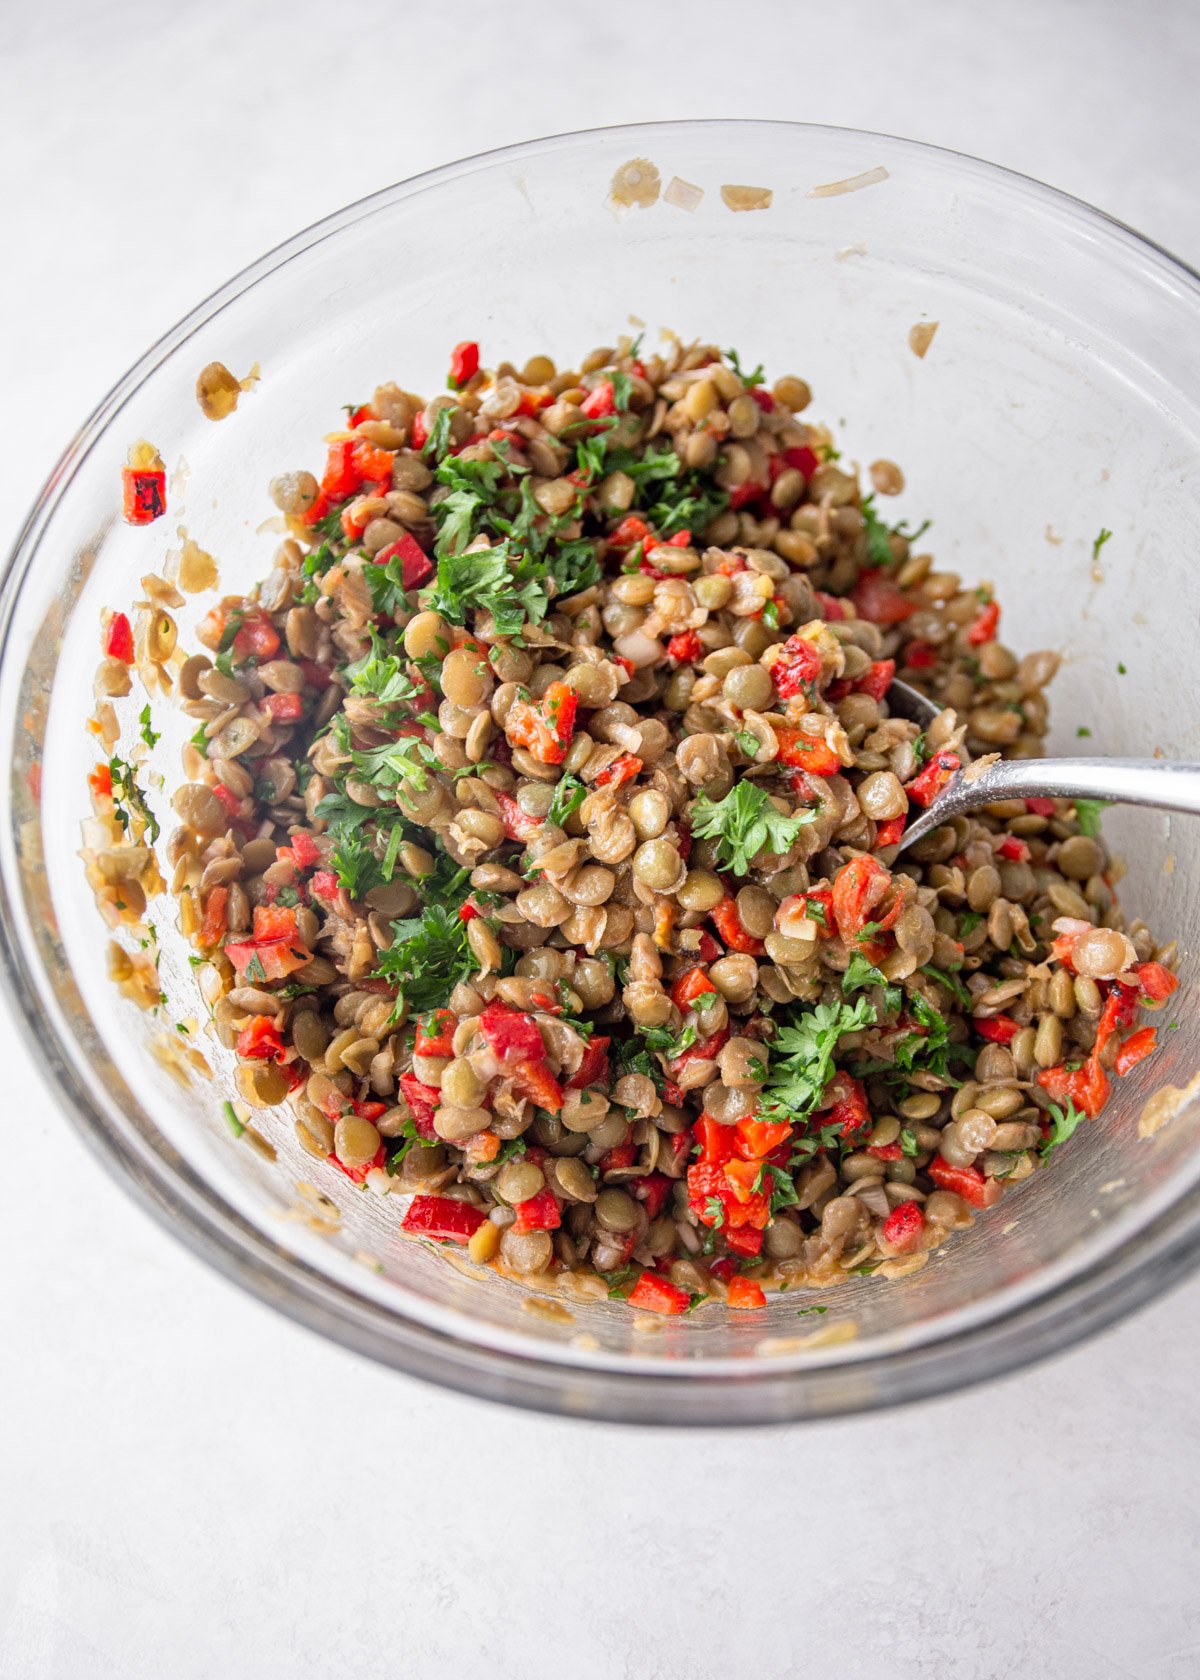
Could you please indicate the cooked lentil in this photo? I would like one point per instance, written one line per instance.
(543, 877)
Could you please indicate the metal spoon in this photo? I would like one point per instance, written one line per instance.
(1159, 782)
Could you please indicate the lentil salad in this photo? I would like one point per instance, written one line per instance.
(535, 843)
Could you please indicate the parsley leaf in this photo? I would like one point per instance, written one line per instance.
(428, 957)
(951, 982)
(569, 795)
(879, 549)
(927, 1050)
(1062, 1124)
(488, 580)
(1100, 542)
(129, 802)
(743, 823)
(380, 675)
(150, 736)
(801, 1057)
(860, 972)
(749, 380)
(1087, 815)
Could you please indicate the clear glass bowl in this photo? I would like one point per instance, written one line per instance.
(1060, 395)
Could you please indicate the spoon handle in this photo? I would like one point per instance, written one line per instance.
(1159, 782)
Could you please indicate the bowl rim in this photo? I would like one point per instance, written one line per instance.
(1159, 1255)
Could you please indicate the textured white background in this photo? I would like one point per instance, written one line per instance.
(191, 1487)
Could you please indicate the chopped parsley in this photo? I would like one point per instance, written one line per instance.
(1100, 542)
(231, 1119)
(1087, 815)
(1063, 1122)
(749, 380)
(569, 795)
(129, 802)
(908, 1142)
(951, 982)
(429, 956)
(860, 972)
(879, 548)
(151, 736)
(801, 1057)
(1083, 732)
(743, 823)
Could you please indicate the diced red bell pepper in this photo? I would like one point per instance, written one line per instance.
(256, 639)
(258, 960)
(903, 1228)
(877, 680)
(920, 656)
(619, 1156)
(1014, 849)
(885, 1151)
(423, 1102)
(745, 1240)
(715, 1139)
(729, 925)
(832, 608)
(763, 398)
(416, 567)
(357, 1174)
(985, 626)
(259, 1040)
(539, 1213)
(593, 1069)
(745, 495)
(858, 887)
(216, 916)
(1135, 1049)
(807, 752)
(966, 1182)
(1087, 1087)
(1156, 981)
(622, 769)
(681, 539)
(117, 640)
(803, 458)
(889, 833)
(796, 667)
(143, 494)
(420, 431)
(483, 1146)
(652, 1191)
(443, 1218)
(1041, 807)
(364, 411)
(878, 599)
(630, 532)
(534, 1081)
(518, 824)
(435, 1034)
(755, 1139)
(849, 1110)
(704, 1050)
(274, 921)
(997, 1029)
(511, 1033)
(689, 987)
(284, 708)
(464, 363)
(544, 729)
(925, 787)
(744, 1292)
(230, 802)
(601, 402)
(100, 781)
(652, 1293)
(685, 648)
(324, 884)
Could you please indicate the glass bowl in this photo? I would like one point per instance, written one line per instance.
(1059, 396)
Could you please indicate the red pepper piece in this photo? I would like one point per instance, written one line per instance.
(1014, 849)
(685, 648)
(808, 753)
(706, 1050)
(305, 849)
(357, 1175)
(284, 708)
(1087, 1087)
(364, 411)
(257, 960)
(880, 600)
(745, 495)
(416, 567)
(885, 1151)
(745, 1240)
(593, 1069)
(1041, 807)
(1135, 1049)
(716, 1140)
(729, 925)
(442, 1218)
(756, 1139)
(630, 532)
(117, 640)
(539, 1213)
(274, 921)
(143, 494)
(324, 884)
(511, 1033)
(423, 1102)
(1156, 981)
(652, 1191)
(464, 363)
(849, 1110)
(858, 887)
(435, 1034)
(764, 399)
(619, 1156)
(259, 1040)
(877, 680)
(468, 910)
(689, 987)
(622, 769)
(657, 1294)
(997, 1029)
(803, 458)
(797, 667)
(535, 1081)
(518, 824)
(601, 402)
(216, 916)
(925, 787)
(420, 431)
(832, 609)
(256, 639)
(920, 656)
(100, 781)
(544, 729)
(985, 626)
(889, 833)
(743, 1292)
(966, 1182)
(903, 1228)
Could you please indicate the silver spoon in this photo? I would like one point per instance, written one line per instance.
(1159, 782)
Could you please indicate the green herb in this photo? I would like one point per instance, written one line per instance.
(690, 503)
(951, 982)
(920, 747)
(428, 957)
(749, 380)
(801, 1057)
(231, 1119)
(1062, 1124)
(1121, 671)
(129, 802)
(224, 655)
(1087, 815)
(1083, 732)
(392, 765)
(860, 972)
(490, 580)
(655, 466)
(928, 1049)
(746, 742)
(509, 1151)
(743, 823)
(969, 922)
(438, 441)
(814, 911)
(150, 736)
(908, 1142)
(1100, 542)
(783, 1195)
(770, 614)
(569, 795)
(879, 548)
(620, 1284)
(715, 1210)
(803, 1312)
(380, 675)
(622, 386)
(409, 1138)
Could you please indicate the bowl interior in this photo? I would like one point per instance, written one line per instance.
(1059, 396)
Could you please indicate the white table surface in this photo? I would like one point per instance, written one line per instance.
(191, 1486)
